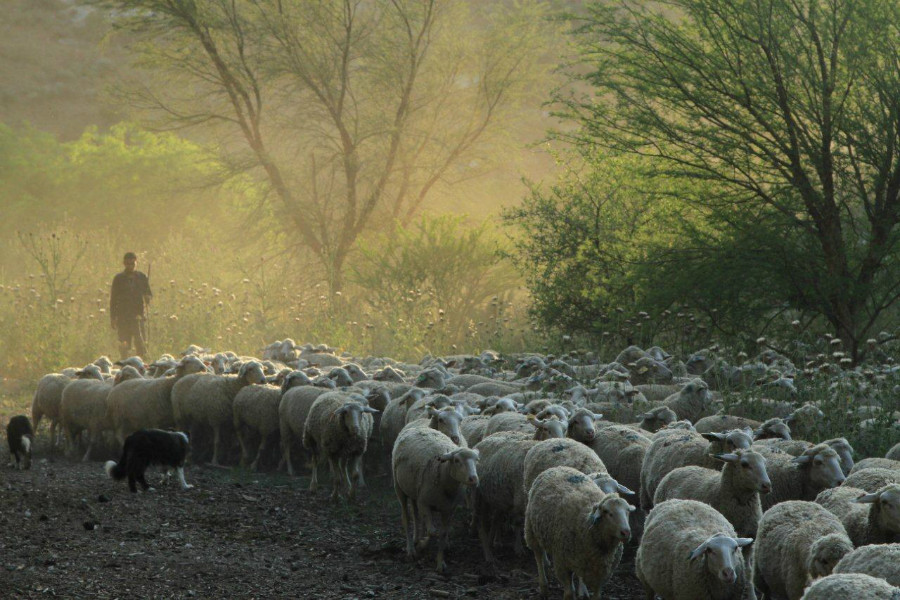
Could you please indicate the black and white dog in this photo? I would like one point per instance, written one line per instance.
(20, 436)
(150, 447)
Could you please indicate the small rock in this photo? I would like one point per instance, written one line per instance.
(102, 498)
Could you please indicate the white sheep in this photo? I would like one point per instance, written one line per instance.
(876, 463)
(683, 449)
(577, 526)
(48, 396)
(692, 402)
(877, 560)
(622, 450)
(773, 428)
(255, 412)
(800, 477)
(796, 542)
(851, 585)
(893, 453)
(564, 452)
(657, 418)
(734, 491)
(147, 403)
(293, 410)
(445, 420)
(869, 518)
(393, 417)
(473, 428)
(722, 423)
(338, 429)
(689, 551)
(84, 407)
(872, 478)
(430, 473)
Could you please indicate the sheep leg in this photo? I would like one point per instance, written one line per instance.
(518, 540)
(442, 542)
(91, 436)
(217, 437)
(427, 526)
(404, 518)
(359, 480)
(353, 468)
(314, 480)
(337, 476)
(565, 580)
(286, 441)
(482, 517)
(245, 456)
(259, 452)
(582, 592)
(541, 569)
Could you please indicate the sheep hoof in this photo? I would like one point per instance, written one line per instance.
(151, 490)
(189, 486)
(441, 568)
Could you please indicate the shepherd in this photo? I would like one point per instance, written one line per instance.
(128, 300)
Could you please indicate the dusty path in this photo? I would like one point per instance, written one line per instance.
(68, 531)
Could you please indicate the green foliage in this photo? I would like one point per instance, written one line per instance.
(443, 279)
(788, 114)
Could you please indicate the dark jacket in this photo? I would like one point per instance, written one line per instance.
(128, 295)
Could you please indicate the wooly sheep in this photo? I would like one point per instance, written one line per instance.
(47, 398)
(868, 518)
(293, 410)
(578, 527)
(581, 425)
(655, 392)
(389, 373)
(147, 403)
(420, 407)
(20, 438)
(773, 428)
(796, 542)
(445, 420)
(800, 477)
(877, 560)
(491, 388)
(851, 585)
(473, 427)
(844, 451)
(805, 421)
(893, 453)
(564, 452)
(720, 423)
(255, 413)
(872, 478)
(622, 450)
(495, 406)
(507, 421)
(876, 463)
(692, 402)
(669, 452)
(792, 447)
(338, 429)
(629, 355)
(690, 551)
(647, 370)
(84, 407)
(501, 495)
(657, 418)
(209, 403)
(430, 475)
(734, 491)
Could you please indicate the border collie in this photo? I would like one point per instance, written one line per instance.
(150, 447)
(20, 437)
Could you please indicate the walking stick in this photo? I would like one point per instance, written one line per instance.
(147, 341)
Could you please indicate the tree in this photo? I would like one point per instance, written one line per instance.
(789, 111)
(351, 111)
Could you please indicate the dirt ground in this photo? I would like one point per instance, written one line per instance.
(66, 530)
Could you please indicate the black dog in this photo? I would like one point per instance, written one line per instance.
(150, 447)
(20, 436)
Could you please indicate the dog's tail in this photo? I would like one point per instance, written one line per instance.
(117, 470)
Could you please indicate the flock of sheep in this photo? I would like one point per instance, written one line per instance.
(573, 457)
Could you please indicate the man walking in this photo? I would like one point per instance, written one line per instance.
(128, 298)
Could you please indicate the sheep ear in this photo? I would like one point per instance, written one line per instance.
(757, 433)
(747, 429)
(866, 499)
(713, 436)
(802, 460)
(538, 424)
(432, 412)
(789, 418)
(741, 542)
(597, 416)
(624, 490)
(698, 551)
(729, 458)
(342, 410)
(445, 457)
(370, 410)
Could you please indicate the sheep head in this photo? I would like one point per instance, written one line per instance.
(446, 420)
(581, 425)
(546, 429)
(608, 519)
(462, 463)
(748, 468)
(722, 556)
(886, 504)
(824, 467)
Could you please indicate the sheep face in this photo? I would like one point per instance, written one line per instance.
(89, 372)
(657, 418)
(549, 428)
(554, 410)
(608, 519)
(462, 464)
(698, 363)
(350, 415)
(887, 501)
(722, 555)
(501, 406)
(728, 441)
(464, 409)
(430, 378)
(341, 377)
(825, 553)
(750, 473)
(844, 451)
(125, 374)
(608, 485)
(105, 365)
(252, 373)
(446, 421)
(192, 364)
(581, 425)
(294, 379)
(824, 467)
(773, 429)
